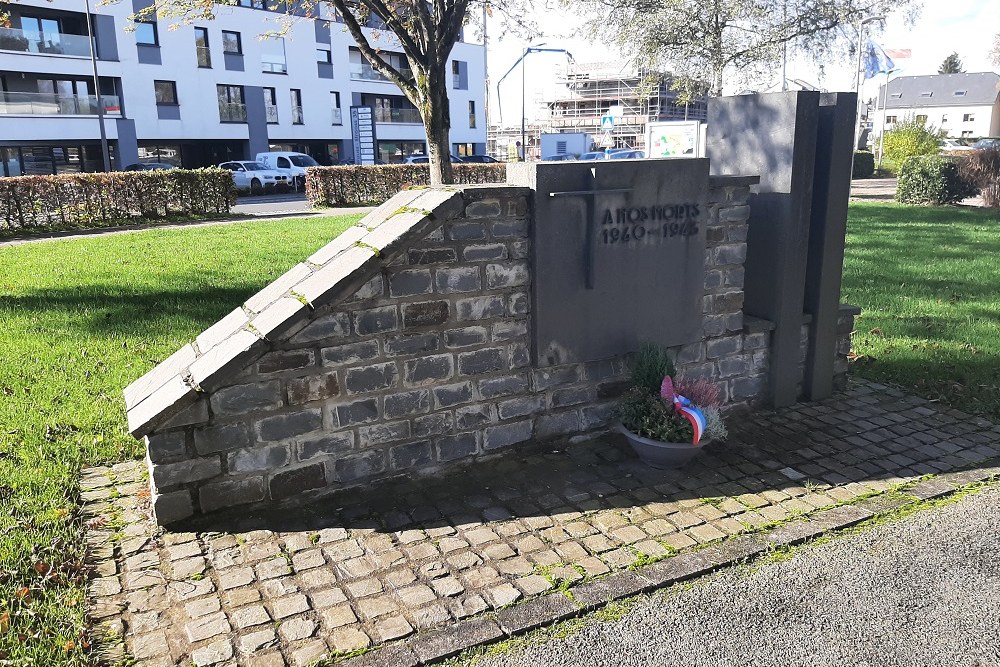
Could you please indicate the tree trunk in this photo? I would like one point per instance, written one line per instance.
(437, 124)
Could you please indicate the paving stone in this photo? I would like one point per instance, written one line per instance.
(447, 587)
(309, 653)
(338, 616)
(296, 628)
(149, 646)
(236, 578)
(246, 617)
(207, 627)
(213, 654)
(502, 595)
(306, 560)
(203, 607)
(288, 606)
(415, 596)
(372, 608)
(468, 606)
(345, 640)
(256, 641)
(449, 642)
(242, 596)
(364, 587)
(393, 627)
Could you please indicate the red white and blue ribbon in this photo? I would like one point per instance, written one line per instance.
(684, 407)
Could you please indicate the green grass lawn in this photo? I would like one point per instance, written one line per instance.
(79, 320)
(928, 283)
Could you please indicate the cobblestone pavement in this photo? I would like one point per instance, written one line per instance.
(365, 568)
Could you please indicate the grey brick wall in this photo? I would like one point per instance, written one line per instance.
(428, 364)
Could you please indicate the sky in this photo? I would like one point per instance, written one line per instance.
(943, 26)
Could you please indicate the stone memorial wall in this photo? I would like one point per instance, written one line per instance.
(405, 345)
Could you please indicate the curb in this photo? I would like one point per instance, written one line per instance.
(537, 612)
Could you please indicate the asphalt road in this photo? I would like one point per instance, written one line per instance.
(924, 591)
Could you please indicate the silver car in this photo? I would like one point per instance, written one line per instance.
(253, 176)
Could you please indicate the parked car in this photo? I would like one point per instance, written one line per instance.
(952, 146)
(292, 165)
(149, 166)
(253, 175)
(480, 159)
(423, 159)
(626, 155)
(560, 158)
(594, 155)
(983, 144)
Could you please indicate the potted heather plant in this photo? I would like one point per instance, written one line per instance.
(667, 420)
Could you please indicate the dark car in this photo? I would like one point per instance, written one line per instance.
(983, 144)
(560, 158)
(627, 155)
(149, 166)
(480, 159)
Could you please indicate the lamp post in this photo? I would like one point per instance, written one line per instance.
(97, 91)
(537, 48)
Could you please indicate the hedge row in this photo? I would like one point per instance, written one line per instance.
(81, 201)
(864, 164)
(373, 184)
(933, 179)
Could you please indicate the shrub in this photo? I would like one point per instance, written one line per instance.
(864, 164)
(982, 169)
(907, 139)
(374, 184)
(932, 179)
(83, 201)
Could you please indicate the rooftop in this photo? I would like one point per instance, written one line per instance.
(940, 90)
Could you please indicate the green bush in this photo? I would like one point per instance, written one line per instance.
(982, 169)
(374, 184)
(906, 139)
(85, 201)
(932, 179)
(864, 164)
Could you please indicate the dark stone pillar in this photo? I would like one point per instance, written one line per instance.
(772, 135)
(827, 231)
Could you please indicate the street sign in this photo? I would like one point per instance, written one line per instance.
(607, 123)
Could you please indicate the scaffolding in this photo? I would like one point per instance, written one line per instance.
(594, 90)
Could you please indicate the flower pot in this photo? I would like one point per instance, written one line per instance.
(660, 454)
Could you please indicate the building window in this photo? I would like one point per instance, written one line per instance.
(394, 152)
(271, 104)
(966, 133)
(338, 115)
(944, 119)
(890, 120)
(391, 108)
(297, 118)
(272, 57)
(166, 92)
(463, 150)
(232, 104)
(969, 118)
(324, 56)
(231, 43)
(456, 75)
(361, 70)
(472, 115)
(201, 46)
(145, 33)
(922, 118)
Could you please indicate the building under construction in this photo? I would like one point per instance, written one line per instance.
(594, 90)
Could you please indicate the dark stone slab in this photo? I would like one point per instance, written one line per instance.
(599, 592)
(773, 135)
(840, 517)
(387, 656)
(609, 241)
(677, 568)
(931, 488)
(827, 233)
(536, 612)
(795, 532)
(733, 551)
(456, 639)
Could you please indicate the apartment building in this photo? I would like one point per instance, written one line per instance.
(196, 95)
(962, 105)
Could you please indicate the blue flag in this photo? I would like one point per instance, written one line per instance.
(876, 61)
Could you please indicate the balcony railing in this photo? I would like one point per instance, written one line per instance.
(274, 66)
(271, 112)
(364, 72)
(204, 56)
(338, 116)
(397, 116)
(52, 104)
(232, 112)
(297, 117)
(15, 39)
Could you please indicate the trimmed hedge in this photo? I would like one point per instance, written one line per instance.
(84, 201)
(932, 179)
(982, 169)
(361, 185)
(864, 164)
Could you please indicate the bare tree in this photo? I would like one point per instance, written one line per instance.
(710, 40)
(995, 51)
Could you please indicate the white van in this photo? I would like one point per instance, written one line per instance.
(291, 164)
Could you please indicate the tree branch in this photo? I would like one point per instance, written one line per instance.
(406, 85)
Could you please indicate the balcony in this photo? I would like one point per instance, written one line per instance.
(398, 116)
(232, 112)
(297, 117)
(364, 72)
(271, 112)
(274, 66)
(51, 104)
(338, 116)
(63, 44)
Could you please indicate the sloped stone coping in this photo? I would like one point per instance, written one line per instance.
(335, 270)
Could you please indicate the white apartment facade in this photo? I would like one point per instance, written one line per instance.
(964, 105)
(205, 93)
